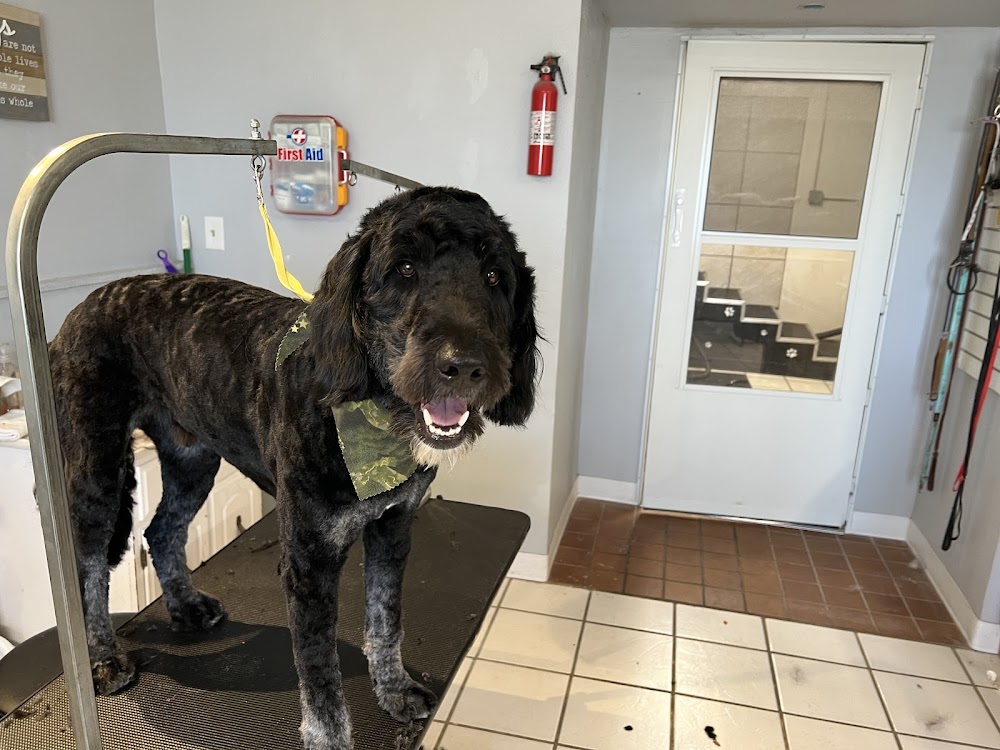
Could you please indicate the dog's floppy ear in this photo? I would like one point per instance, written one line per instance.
(515, 407)
(338, 322)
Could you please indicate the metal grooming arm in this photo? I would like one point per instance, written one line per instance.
(33, 356)
(354, 168)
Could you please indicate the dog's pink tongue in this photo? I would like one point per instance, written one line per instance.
(447, 412)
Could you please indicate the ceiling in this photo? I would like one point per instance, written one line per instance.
(787, 13)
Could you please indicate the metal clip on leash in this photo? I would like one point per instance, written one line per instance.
(257, 163)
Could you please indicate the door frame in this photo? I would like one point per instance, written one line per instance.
(927, 41)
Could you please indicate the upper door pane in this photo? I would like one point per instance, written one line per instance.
(791, 156)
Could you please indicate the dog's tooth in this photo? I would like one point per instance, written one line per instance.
(463, 420)
(427, 418)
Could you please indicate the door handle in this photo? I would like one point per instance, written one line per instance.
(678, 217)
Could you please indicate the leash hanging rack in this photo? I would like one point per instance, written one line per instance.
(28, 323)
(963, 275)
(351, 167)
(990, 183)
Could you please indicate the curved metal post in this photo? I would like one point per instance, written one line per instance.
(33, 356)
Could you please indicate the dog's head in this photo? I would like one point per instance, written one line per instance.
(429, 309)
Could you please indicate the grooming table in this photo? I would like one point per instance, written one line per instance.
(236, 687)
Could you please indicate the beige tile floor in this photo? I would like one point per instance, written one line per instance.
(560, 668)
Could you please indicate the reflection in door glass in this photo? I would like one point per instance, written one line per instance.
(769, 318)
(791, 156)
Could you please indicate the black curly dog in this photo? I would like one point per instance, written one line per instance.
(428, 309)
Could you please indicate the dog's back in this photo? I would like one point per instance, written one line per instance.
(132, 355)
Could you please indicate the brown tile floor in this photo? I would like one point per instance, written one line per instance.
(854, 582)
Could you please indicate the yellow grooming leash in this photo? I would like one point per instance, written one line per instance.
(273, 245)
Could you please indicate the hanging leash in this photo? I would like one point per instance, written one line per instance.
(963, 275)
(954, 528)
(273, 245)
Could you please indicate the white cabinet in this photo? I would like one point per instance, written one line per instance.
(25, 602)
(235, 505)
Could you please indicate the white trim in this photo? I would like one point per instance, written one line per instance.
(660, 273)
(803, 36)
(878, 524)
(560, 527)
(86, 279)
(610, 490)
(982, 636)
(890, 276)
(530, 566)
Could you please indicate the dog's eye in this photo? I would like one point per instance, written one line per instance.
(493, 277)
(406, 269)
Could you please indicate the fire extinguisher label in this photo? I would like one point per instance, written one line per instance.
(543, 128)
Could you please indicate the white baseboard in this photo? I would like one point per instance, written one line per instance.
(535, 567)
(530, 566)
(610, 490)
(878, 524)
(560, 529)
(982, 636)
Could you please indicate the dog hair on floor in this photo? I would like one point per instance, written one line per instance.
(428, 309)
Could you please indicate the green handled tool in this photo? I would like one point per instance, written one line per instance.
(186, 242)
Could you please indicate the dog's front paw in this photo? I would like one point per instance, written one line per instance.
(406, 701)
(112, 673)
(200, 612)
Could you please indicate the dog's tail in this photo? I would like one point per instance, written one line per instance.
(123, 521)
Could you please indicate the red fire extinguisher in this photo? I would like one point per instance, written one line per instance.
(542, 132)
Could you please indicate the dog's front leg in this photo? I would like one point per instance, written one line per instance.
(387, 544)
(315, 548)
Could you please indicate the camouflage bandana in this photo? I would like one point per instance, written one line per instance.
(377, 460)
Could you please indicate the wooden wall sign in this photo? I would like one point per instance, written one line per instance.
(23, 94)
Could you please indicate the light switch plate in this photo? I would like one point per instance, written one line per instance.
(215, 236)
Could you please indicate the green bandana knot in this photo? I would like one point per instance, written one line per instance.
(377, 459)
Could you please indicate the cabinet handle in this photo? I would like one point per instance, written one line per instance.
(239, 525)
(143, 560)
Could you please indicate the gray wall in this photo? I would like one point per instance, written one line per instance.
(438, 91)
(971, 560)
(635, 157)
(590, 86)
(960, 76)
(642, 72)
(114, 213)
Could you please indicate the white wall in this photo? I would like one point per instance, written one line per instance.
(437, 91)
(589, 85)
(113, 214)
(642, 73)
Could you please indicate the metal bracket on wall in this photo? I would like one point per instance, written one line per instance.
(354, 168)
(36, 379)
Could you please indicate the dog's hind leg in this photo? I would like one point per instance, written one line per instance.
(188, 474)
(387, 545)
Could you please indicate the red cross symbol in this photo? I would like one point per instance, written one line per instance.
(299, 136)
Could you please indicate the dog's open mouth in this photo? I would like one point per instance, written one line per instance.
(445, 418)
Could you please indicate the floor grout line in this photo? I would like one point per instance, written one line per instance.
(878, 689)
(673, 679)
(572, 672)
(774, 684)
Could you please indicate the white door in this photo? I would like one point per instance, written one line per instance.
(789, 167)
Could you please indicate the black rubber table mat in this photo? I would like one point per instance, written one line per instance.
(235, 687)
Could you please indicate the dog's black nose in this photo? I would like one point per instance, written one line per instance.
(456, 365)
